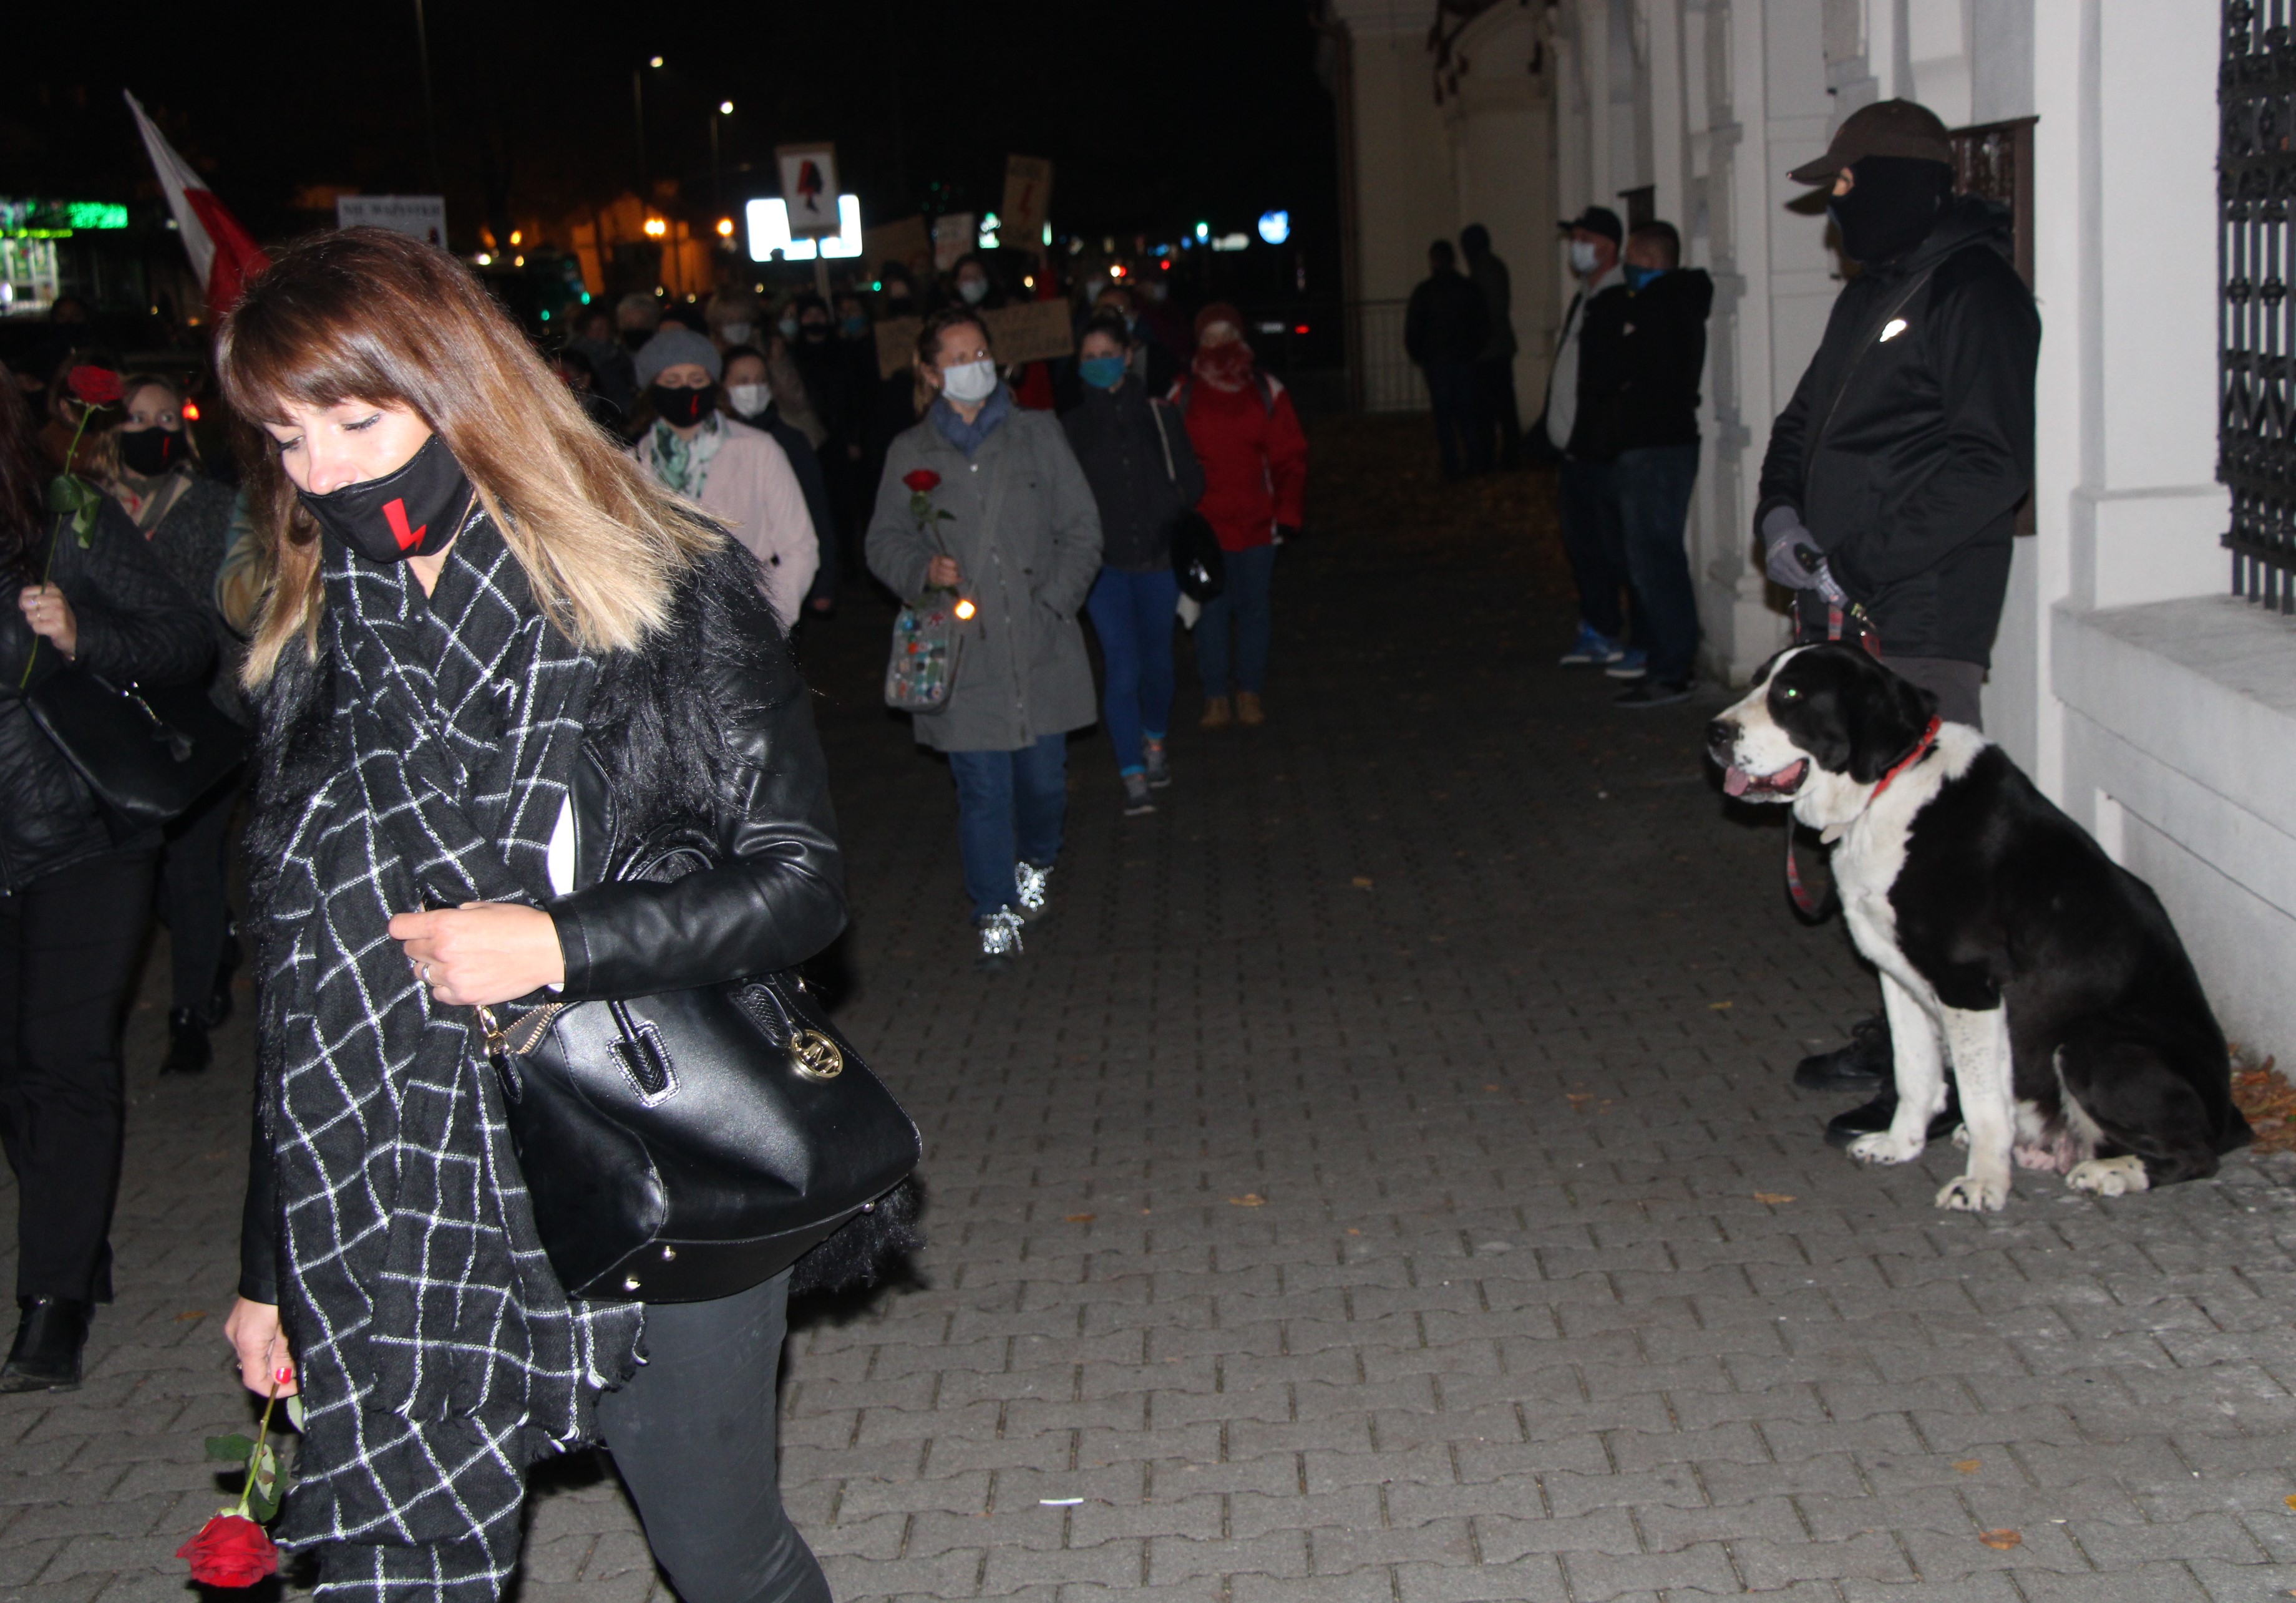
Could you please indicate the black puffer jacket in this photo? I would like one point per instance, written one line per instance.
(190, 543)
(707, 724)
(1905, 449)
(1114, 436)
(134, 623)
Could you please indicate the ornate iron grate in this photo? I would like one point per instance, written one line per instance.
(2256, 320)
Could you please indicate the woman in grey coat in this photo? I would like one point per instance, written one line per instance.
(1013, 529)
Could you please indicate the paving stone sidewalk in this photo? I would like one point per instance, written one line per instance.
(1379, 1179)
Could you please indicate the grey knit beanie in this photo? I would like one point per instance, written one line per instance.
(675, 344)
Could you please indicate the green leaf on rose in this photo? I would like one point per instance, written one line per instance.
(295, 1411)
(230, 1450)
(263, 1490)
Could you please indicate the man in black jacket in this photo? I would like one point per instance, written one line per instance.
(1890, 488)
(1645, 348)
(1444, 329)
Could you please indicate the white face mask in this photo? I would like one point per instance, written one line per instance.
(736, 333)
(973, 290)
(749, 399)
(970, 382)
(1583, 259)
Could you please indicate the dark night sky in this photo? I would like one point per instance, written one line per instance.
(1155, 113)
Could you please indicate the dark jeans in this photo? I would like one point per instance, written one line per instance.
(1010, 808)
(1498, 425)
(192, 875)
(1652, 485)
(692, 1434)
(1133, 614)
(1451, 394)
(1594, 542)
(67, 947)
(1250, 576)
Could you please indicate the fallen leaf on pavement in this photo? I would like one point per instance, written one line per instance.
(2001, 1541)
(190, 1314)
(1969, 1465)
(1772, 1198)
(1720, 1006)
(1080, 1218)
(1362, 882)
(1249, 1199)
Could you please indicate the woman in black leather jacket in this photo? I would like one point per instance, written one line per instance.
(73, 894)
(494, 655)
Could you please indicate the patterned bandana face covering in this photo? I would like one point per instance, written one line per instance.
(411, 512)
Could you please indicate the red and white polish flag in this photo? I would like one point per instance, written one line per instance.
(222, 254)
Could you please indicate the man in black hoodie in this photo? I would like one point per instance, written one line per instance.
(1645, 351)
(1444, 328)
(1890, 488)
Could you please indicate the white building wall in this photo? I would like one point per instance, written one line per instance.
(2160, 712)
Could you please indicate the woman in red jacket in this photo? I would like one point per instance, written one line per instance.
(1255, 459)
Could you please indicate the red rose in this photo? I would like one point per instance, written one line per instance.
(97, 386)
(919, 479)
(230, 1550)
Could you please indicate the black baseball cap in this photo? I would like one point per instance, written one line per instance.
(1887, 127)
(1596, 219)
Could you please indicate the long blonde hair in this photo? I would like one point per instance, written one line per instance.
(366, 315)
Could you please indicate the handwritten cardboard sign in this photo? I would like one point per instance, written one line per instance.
(810, 188)
(1028, 201)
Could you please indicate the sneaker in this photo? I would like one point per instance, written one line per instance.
(1631, 664)
(1591, 648)
(1136, 800)
(1159, 774)
(1000, 939)
(1030, 885)
(1652, 693)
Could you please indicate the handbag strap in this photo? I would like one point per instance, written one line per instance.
(1866, 341)
(1156, 410)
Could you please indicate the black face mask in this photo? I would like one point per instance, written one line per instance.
(680, 408)
(813, 333)
(151, 452)
(1894, 204)
(414, 511)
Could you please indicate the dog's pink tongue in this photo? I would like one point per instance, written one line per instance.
(1734, 781)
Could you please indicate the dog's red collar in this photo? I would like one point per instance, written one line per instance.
(1809, 905)
(1920, 749)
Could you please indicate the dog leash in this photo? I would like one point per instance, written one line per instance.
(1809, 906)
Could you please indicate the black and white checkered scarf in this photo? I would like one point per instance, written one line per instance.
(438, 1354)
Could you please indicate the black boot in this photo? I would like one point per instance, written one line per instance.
(1867, 1064)
(46, 1357)
(188, 1052)
(1871, 1118)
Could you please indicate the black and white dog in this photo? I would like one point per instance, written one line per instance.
(2050, 976)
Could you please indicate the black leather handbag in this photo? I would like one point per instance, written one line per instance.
(690, 1144)
(147, 754)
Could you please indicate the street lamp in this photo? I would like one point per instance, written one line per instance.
(637, 115)
(717, 184)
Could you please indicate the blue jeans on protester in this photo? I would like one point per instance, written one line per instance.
(1461, 438)
(1245, 599)
(1653, 487)
(1010, 808)
(1596, 544)
(1133, 614)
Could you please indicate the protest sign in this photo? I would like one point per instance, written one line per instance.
(1028, 200)
(904, 240)
(896, 344)
(419, 216)
(810, 188)
(1034, 331)
(953, 235)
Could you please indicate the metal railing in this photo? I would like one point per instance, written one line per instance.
(2256, 317)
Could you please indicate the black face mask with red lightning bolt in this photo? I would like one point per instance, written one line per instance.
(414, 512)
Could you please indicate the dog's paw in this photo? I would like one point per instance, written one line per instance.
(2109, 1176)
(1885, 1147)
(1972, 1194)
